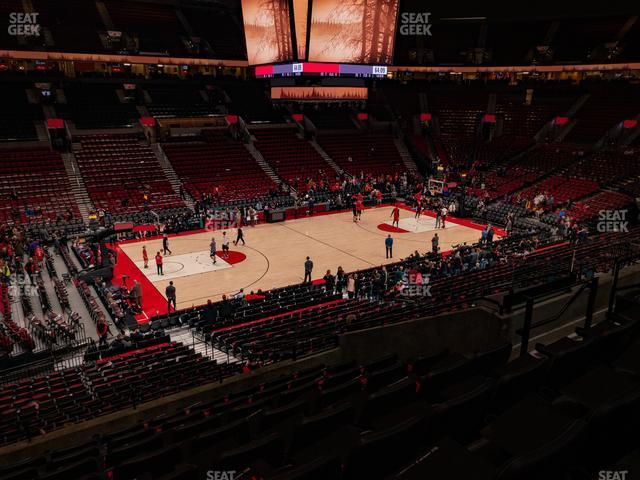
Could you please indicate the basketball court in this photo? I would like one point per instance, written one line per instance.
(275, 253)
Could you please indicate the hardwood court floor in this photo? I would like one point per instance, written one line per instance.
(275, 253)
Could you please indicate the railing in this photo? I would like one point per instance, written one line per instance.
(530, 325)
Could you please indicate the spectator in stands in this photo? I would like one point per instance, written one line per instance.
(30, 268)
(308, 268)
(388, 242)
(490, 233)
(103, 330)
(341, 280)
(329, 282)
(135, 335)
(159, 263)
(136, 293)
(145, 256)
(226, 309)
(351, 286)
(170, 292)
(165, 244)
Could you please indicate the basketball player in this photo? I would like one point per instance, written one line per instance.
(165, 244)
(418, 211)
(359, 208)
(239, 237)
(145, 256)
(355, 211)
(225, 245)
(396, 216)
(444, 213)
(212, 250)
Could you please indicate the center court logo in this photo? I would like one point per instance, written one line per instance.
(24, 24)
(415, 24)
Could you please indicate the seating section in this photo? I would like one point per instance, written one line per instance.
(219, 162)
(93, 106)
(605, 108)
(223, 42)
(522, 120)
(74, 25)
(123, 175)
(591, 207)
(17, 115)
(46, 403)
(35, 187)
(439, 415)
(251, 101)
(369, 153)
(579, 39)
(153, 27)
(562, 189)
(331, 118)
(504, 180)
(181, 101)
(606, 167)
(291, 157)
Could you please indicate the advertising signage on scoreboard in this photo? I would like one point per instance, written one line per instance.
(319, 94)
(320, 69)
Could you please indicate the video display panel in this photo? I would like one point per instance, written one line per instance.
(300, 18)
(267, 30)
(353, 31)
(315, 94)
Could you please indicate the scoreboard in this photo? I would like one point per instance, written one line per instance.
(320, 69)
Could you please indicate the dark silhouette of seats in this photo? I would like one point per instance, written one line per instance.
(125, 451)
(462, 409)
(269, 448)
(569, 358)
(322, 468)
(518, 378)
(75, 470)
(379, 453)
(321, 424)
(388, 400)
(153, 462)
(547, 460)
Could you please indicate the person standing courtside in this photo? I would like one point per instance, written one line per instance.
(308, 268)
(159, 263)
(171, 296)
(388, 243)
(145, 256)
